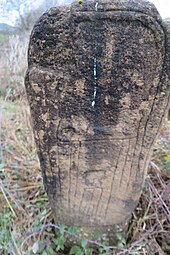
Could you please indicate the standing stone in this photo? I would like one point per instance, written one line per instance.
(98, 87)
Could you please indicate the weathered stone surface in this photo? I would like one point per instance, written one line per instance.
(98, 88)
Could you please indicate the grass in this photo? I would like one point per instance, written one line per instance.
(26, 222)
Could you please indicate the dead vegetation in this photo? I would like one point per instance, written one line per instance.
(26, 221)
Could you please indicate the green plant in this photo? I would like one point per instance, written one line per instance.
(80, 1)
(167, 161)
(83, 250)
(121, 240)
(6, 219)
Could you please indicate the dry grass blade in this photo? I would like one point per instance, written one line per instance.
(7, 200)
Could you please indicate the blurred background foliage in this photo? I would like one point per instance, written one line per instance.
(14, 41)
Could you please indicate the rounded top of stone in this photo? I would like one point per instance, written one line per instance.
(140, 6)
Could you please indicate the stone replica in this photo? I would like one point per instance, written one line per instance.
(98, 87)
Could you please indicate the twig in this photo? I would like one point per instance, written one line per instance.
(16, 247)
(67, 232)
(163, 205)
(157, 170)
(138, 241)
(123, 251)
(7, 200)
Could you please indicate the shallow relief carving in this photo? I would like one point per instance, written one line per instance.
(98, 87)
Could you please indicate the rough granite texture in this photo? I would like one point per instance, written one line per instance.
(98, 86)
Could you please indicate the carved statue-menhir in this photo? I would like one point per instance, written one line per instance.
(98, 87)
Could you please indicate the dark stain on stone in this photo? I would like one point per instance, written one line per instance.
(130, 203)
(51, 185)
